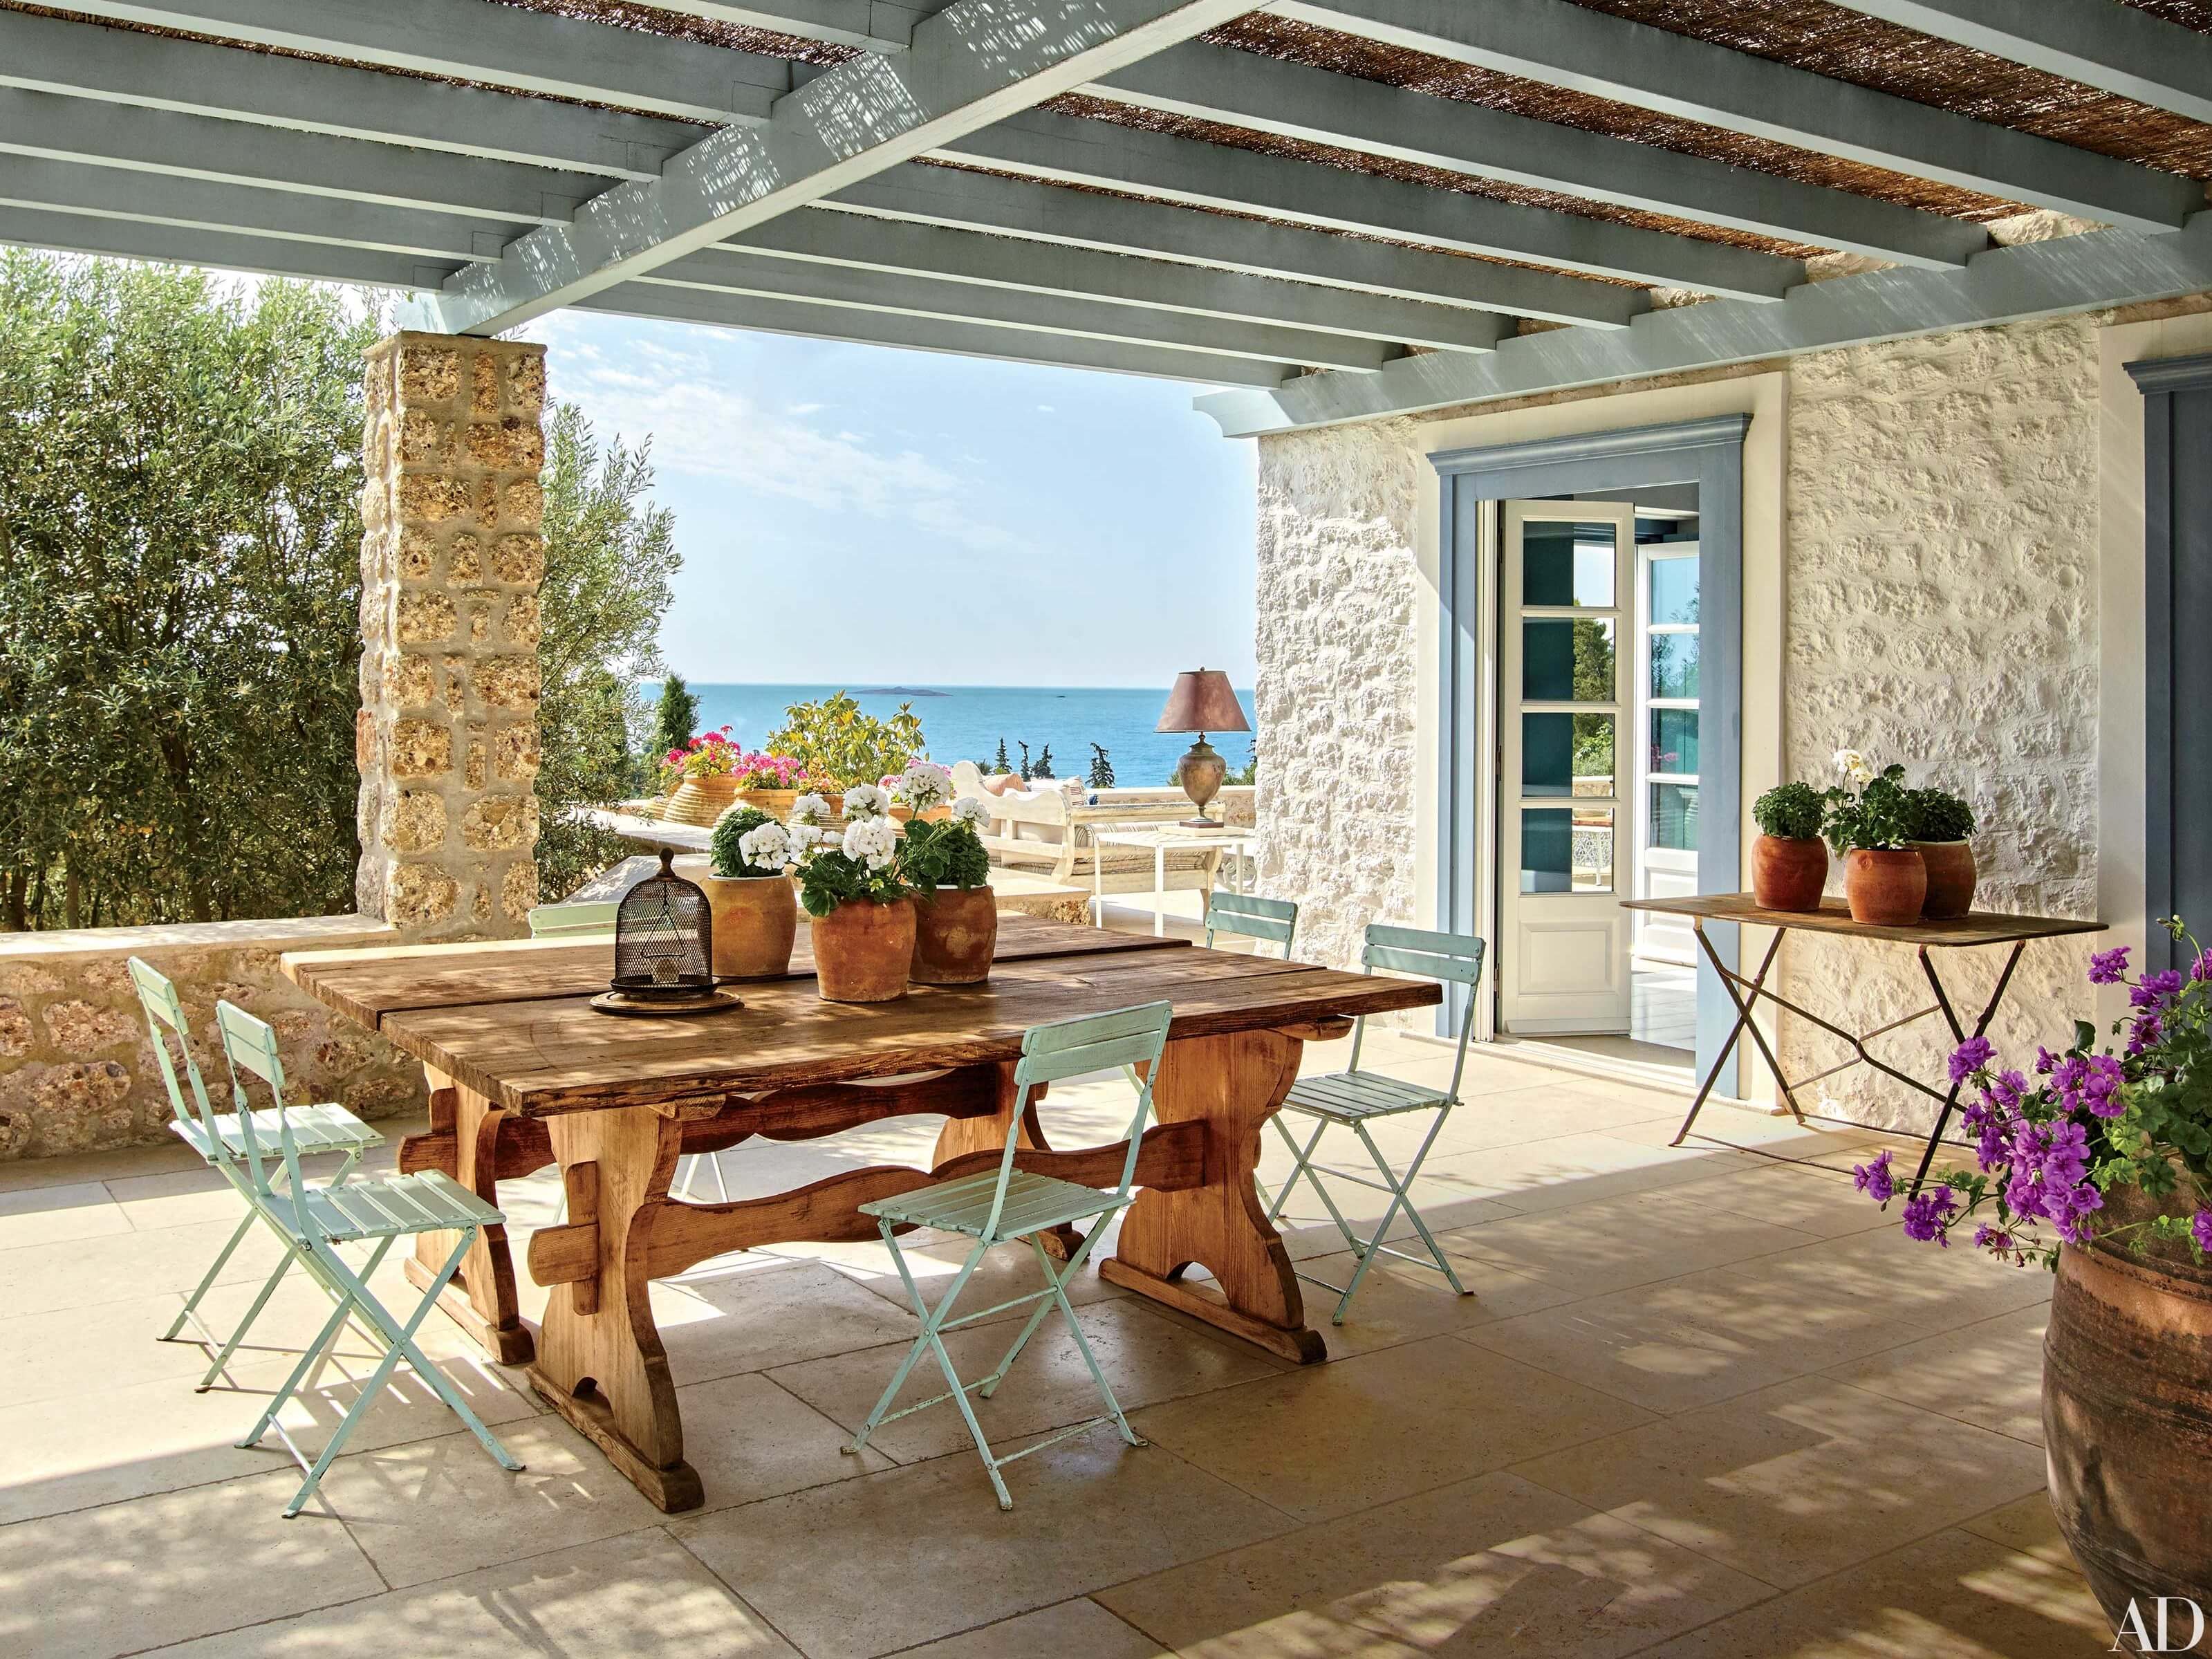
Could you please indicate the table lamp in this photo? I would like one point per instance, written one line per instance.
(1202, 700)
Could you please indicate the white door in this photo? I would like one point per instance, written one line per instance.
(1565, 610)
(1666, 745)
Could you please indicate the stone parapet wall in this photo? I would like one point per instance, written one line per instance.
(452, 558)
(77, 1072)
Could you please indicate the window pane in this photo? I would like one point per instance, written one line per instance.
(1566, 754)
(1568, 660)
(1675, 741)
(1567, 564)
(1674, 590)
(1566, 850)
(1674, 816)
(1673, 665)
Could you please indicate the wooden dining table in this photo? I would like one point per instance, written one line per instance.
(523, 1073)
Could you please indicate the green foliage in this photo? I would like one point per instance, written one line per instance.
(610, 555)
(1792, 811)
(1102, 768)
(1043, 763)
(179, 591)
(1874, 818)
(1024, 767)
(1937, 814)
(728, 859)
(999, 763)
(1250, 772)
(829, 879)
(946, 854)
(840, 745)
(675, 718)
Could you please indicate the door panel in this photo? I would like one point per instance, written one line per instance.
(1665, 678)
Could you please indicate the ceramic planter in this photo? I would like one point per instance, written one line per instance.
(2127, 1418)
(778, 803)
(1788, 874)
(698, 801)
(1885, 886)
(954, 934)
(862, 950)
(1951, 878)
(756, 919)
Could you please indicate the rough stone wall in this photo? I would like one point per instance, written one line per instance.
(1340, 597)
(1941, 594)
(78, 1071)
(451, 556)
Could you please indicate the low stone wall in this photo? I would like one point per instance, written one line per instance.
(77, 1072)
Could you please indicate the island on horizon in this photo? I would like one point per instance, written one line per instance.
(899, 691)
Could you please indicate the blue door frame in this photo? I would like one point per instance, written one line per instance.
(1708, 453)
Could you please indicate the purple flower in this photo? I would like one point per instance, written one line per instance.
(1927, 1216)
(2145, 1033)
(1970, 1057)
(2156, 990)
(1875, 1179)
(2045, 1061)
(2201, 1230)
(1987, 1238)
(2101, 1085)
(2201, 967)
(2106, 967)
(2007, 1089)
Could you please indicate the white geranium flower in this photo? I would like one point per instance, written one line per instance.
(866, 800)
(766, 847)
(970, 811)
(810, 809)
(1853, 765)
(871, 841)
(805, 840)
(924, 786)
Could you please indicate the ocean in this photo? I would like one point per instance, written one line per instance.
(965, 722)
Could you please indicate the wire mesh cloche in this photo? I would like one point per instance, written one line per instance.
(663, 938)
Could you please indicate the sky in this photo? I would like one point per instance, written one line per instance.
(850, 512)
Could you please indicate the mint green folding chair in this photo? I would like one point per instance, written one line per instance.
(318, 1129)
(1268, 920)
(992, 1209)
(1353, 1099)
(316, 1220)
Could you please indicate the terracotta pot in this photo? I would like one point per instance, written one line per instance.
(1950, 878)
(698, 801)
(778, 803)
(1884, 886)
(954, 934)
(1788, 874)
(935, 815)
(862, 950)
(2127, 1418)
(756, 919)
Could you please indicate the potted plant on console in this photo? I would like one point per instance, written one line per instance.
(1939, 823)
(851, 886)
(1868, 823)
(955, 913)
(1789, 861)
(756, 913)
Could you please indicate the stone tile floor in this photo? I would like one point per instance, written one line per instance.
(1700, 1403)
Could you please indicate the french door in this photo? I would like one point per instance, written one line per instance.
(1567, 640)
(1666, 726)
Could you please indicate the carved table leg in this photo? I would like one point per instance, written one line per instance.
(1232, 1084)
(481, 1298)
(600, 1362)
(964, 1135)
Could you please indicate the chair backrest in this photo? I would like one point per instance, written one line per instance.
(1272, 922)
(588, 918)
(1456, 957)
(249, 1046)
(1071, 1048)
(158, 997)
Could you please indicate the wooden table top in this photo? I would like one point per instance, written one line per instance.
(511, 1021)
(1834, 916)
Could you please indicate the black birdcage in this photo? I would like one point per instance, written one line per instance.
(663, 938)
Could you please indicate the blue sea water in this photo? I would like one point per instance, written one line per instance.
(965, 722)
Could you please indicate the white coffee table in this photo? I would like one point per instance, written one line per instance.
(1161, 838)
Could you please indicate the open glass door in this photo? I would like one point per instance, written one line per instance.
(1566, 593)
(1666, 798)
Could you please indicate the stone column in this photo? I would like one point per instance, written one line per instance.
(450, 558)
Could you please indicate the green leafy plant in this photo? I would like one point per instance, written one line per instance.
(1102, 768)
(1792, 811)
(1043, 763)
(1024, 768)
(999, 763)
(1937, 814)
(675, 717)
(946, 854)
(861, 866)
(839, 743)
(725, 844)
(1868, 809)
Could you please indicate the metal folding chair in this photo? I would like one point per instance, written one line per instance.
(1353, 1099)
(318, 1129)
(992, 1209)
(1270, 921)
(316, 1220)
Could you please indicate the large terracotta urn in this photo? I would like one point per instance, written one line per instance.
(1951, 877)
(756, 923)
(1788, 873)
(863, 951)
(1885, 886)
(956, 933)
(2127, 1417)
(698, 801)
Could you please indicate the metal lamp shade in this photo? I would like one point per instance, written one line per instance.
(663, 938)
(1203, 701)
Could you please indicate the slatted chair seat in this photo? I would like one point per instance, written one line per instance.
(397, 1207)
(1349, 1097)
(1034, 1204)
(322, 1128)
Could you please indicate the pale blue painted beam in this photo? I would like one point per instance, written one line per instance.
(870, 25)
(259, 256)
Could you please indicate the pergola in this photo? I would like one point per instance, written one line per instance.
(1335, 209)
